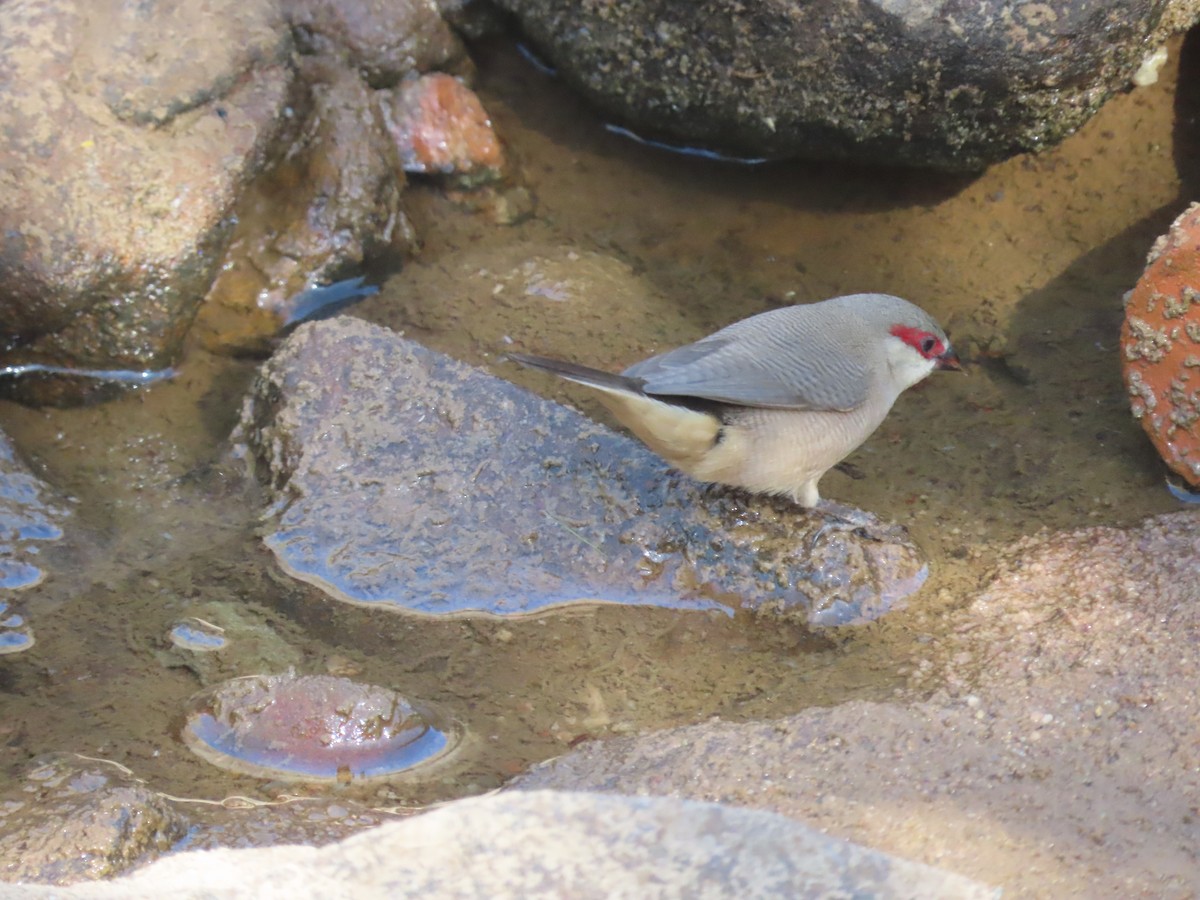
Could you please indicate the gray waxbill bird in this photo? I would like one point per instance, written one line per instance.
(772, 402)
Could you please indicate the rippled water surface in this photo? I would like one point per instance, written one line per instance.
(1025, 265)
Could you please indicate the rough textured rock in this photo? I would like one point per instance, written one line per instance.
(1057, 756)
(332, 200)
(69, 818)
(440, 127)
(220, 640)
(120, 168)
(386, 41)
(409, 480)
(925, 83)
(82, 819)
(551, 845)
(1160, 344)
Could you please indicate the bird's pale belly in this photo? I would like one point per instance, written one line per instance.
(771, 451)
(785, 451)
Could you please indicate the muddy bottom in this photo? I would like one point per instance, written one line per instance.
(1025, 265)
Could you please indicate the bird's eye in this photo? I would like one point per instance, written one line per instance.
(927, 344)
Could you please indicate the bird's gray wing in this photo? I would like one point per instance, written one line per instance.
(766, 372)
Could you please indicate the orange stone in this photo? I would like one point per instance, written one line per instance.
(440, 127)
(1160, 346)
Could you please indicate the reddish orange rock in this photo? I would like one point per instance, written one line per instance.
(441, 128)
(1160, 346)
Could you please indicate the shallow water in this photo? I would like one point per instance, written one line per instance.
(1025, 265)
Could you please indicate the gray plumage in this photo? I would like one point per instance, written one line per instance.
(787, 393)
(800, 357)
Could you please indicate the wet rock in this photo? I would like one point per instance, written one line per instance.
(115, 62)
(408, 480)
(122, 166)
(331, 201)
(474, 19)
(218, 641)
(385, 41)
(316, 728)
(556, 845)
(28, 515)
(925, 84)
(76, 819)
(71, 819)
(313, 821)
(504, 203)
(1160, 346)
(441, 129)
(1056, 755)
(15, 633)
(198, 636)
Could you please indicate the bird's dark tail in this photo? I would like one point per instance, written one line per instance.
(585, 375)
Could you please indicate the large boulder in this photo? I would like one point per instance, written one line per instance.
(70, 818)
(925, 83)
(134, 174)
(548, 845)
(77, 819)
(383, 40)
(1056, 755)
(121, 165)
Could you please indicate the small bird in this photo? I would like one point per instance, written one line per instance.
(772, 402)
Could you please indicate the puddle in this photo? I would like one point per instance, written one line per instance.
(1025, 266)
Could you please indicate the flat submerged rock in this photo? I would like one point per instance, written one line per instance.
(29, 516)
(315, 728)
(407, 479)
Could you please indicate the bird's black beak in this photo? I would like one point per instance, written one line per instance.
(950, 362)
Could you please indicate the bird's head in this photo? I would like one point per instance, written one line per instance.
(917, 348)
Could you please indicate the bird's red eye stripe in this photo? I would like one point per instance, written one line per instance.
(928, 345)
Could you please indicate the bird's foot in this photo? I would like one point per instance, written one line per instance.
(848, 515)
(840, 517)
